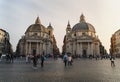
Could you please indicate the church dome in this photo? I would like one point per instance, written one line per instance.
(37, 27)
(83, 25)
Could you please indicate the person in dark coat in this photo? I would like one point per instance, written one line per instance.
(34, 58)
(65, 59)
(42, 60)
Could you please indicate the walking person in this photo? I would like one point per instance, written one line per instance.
(34, 58)
(65, 59)
(26, 58)
(112, 61)
(69, 60)
(35, 61)
(12, 58)
(43, 58)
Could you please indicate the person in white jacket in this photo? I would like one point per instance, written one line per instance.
(69, 60)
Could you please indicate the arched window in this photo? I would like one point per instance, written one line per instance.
(75, 34)
(83, 33)
(35, 34)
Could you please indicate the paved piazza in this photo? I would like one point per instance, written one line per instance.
(83, 70)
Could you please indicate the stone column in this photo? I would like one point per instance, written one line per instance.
(30, 49)
(88, 50)
(77, 49)
(98, 52)
(42, 48)
(37, 48)
(81, 48)
(26, 48)
(92, 48)
(72, 48)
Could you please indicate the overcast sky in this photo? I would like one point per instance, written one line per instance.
(17, 15)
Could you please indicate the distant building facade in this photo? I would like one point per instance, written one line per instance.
(115, 44)
(5, 45)
(81, 39)
(37, 40)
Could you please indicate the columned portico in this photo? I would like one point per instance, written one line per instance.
(82, 48)
(30, 45)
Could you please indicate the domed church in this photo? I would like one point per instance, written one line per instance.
(81, 40)
(38, 40)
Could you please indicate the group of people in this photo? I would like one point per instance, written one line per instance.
(35, 58)
(9, 58)
(67, 59)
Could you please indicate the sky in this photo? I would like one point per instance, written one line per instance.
(17, 15)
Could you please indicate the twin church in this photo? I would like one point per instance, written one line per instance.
(80, 40)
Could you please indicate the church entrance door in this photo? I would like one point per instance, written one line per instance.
(84, 53)
(34, 52)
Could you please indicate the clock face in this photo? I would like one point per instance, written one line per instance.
(68, 31)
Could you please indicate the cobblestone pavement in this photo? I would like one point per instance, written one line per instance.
(83, 70)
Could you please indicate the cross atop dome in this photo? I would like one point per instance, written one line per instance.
(50, 27)
(82, 18)
(37, 21)
(49, 23)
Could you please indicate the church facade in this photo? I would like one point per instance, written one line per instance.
(81, 40)
(38, 40)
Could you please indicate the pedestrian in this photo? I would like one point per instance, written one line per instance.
(35, 61)
(70, 60)
(65, 59)
(12, 58)
(43, 58)
(112, 61)
(26, 58)
(34, 58)
(29, 58)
